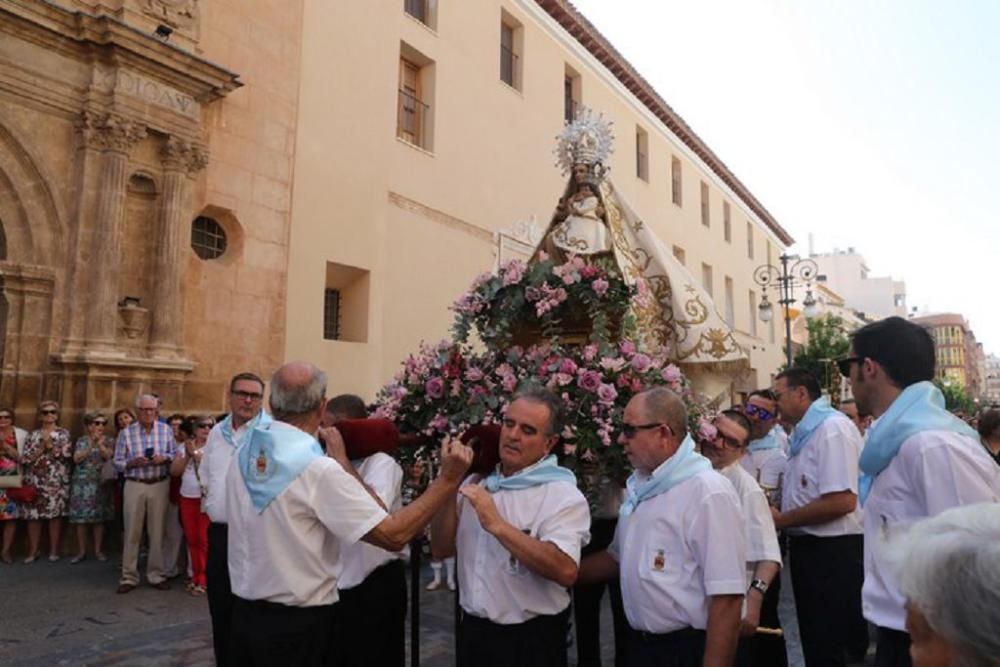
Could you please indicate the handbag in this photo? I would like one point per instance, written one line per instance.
(25, 495)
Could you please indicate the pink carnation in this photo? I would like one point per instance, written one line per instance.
(473, 374)
(600, 286)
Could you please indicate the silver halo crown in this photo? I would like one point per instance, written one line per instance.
(587, 140)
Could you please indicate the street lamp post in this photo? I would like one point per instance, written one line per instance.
(793, 272)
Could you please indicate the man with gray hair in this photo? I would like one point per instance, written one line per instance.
(292, 508)
(679, 547)
(144, 452)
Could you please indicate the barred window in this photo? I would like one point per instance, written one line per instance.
(331, 314)
(208, 238)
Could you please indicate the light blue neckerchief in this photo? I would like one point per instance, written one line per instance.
(272, 459)
(685, 463)
(769, 441)
(818, 412)
(226, 426)
(919, 408)
(544, 471)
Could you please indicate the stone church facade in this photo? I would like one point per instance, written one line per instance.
(145, 193)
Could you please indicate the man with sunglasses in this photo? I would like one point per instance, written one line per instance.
(679, 547)
(918, 461)
(765, 457)
(725, 450)
(246, 394)
(821, 516)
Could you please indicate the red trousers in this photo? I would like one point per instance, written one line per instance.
(195, 524)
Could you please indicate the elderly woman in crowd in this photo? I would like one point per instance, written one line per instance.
(121, 420)
(950, 575)
(48, 452)
(90, 497)
(187, 466)
(11, 447)
(989, 431)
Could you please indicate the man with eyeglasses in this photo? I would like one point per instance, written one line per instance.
(765, 457)
(822, 518)
(725, 450)
(918, 461)
(144, 452)
(246, 394)
(679, 548)
(518, 534)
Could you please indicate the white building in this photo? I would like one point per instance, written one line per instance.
(848, 275)
(993, 379)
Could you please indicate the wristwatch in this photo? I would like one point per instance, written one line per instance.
(759, 585)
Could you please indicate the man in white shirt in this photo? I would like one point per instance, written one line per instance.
(918, 461)
(763, 555)
(679, 546)
(291, 510)
(820, 513)
(371, 613)
(246, 394)
(518, 535)
(765, 457)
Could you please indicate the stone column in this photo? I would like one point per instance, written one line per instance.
(115, 136)
(181, 159)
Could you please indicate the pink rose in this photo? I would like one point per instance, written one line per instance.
(589, 380)
(567, 365)
(671, 374)
(590, 352)
(607, 394)
(434, 387)
(641, 363)
(707, 430)
(513, 272)
(627, 347)
(600, 286)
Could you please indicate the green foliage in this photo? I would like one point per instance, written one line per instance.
(828, 341)
(956, 398)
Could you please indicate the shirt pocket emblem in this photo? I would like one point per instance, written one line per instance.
(659, 560)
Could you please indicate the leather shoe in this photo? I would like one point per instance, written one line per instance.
(125, 588)
(162, 586)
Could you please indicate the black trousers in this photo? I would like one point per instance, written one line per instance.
(827, 573)
(682, 648)
(371, 620)
(587, 605)
(765, 650)
(893, 648)
(539, 642)
(220, 592)
(266, 634)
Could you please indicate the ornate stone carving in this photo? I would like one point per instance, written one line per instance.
(181, 155)
(175, 13)
(109, 131)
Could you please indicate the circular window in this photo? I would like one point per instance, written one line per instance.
(208, 238)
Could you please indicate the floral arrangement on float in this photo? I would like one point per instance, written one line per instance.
(577, 313)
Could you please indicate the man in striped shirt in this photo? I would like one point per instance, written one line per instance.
(144, 452)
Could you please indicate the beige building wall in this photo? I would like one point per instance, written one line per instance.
(415, 225)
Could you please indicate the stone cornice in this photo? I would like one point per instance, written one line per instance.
(106, 38)
(584, 32)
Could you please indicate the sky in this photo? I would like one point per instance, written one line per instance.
(872, 124)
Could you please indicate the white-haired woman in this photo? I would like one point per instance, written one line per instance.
(950, 575)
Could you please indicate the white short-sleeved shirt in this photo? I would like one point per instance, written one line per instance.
(385, 477)
(291, 552)
(215, 465)
(766, 466)
(761, 537)
(827, 463)
(933, 471)
(677, 549)
(492, 582)
(190, 486)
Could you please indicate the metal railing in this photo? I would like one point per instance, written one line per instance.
(411, 118)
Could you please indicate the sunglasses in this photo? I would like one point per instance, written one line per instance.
(247, 396)
(6, 417)
(758, 412)
(49, 412)
(99, 422)
(844, 364)
(206, 424)
(631, 430)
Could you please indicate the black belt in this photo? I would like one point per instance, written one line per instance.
(146, 481)
(667, 637)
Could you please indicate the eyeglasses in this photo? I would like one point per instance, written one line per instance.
(49, 412)
(99, 422)
(757, 411)
(206, 424)
(844, 364)
(631, 430)
(247, 395)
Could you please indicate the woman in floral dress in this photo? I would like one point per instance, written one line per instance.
(11, 446)
(45, 464)
(91, 497)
